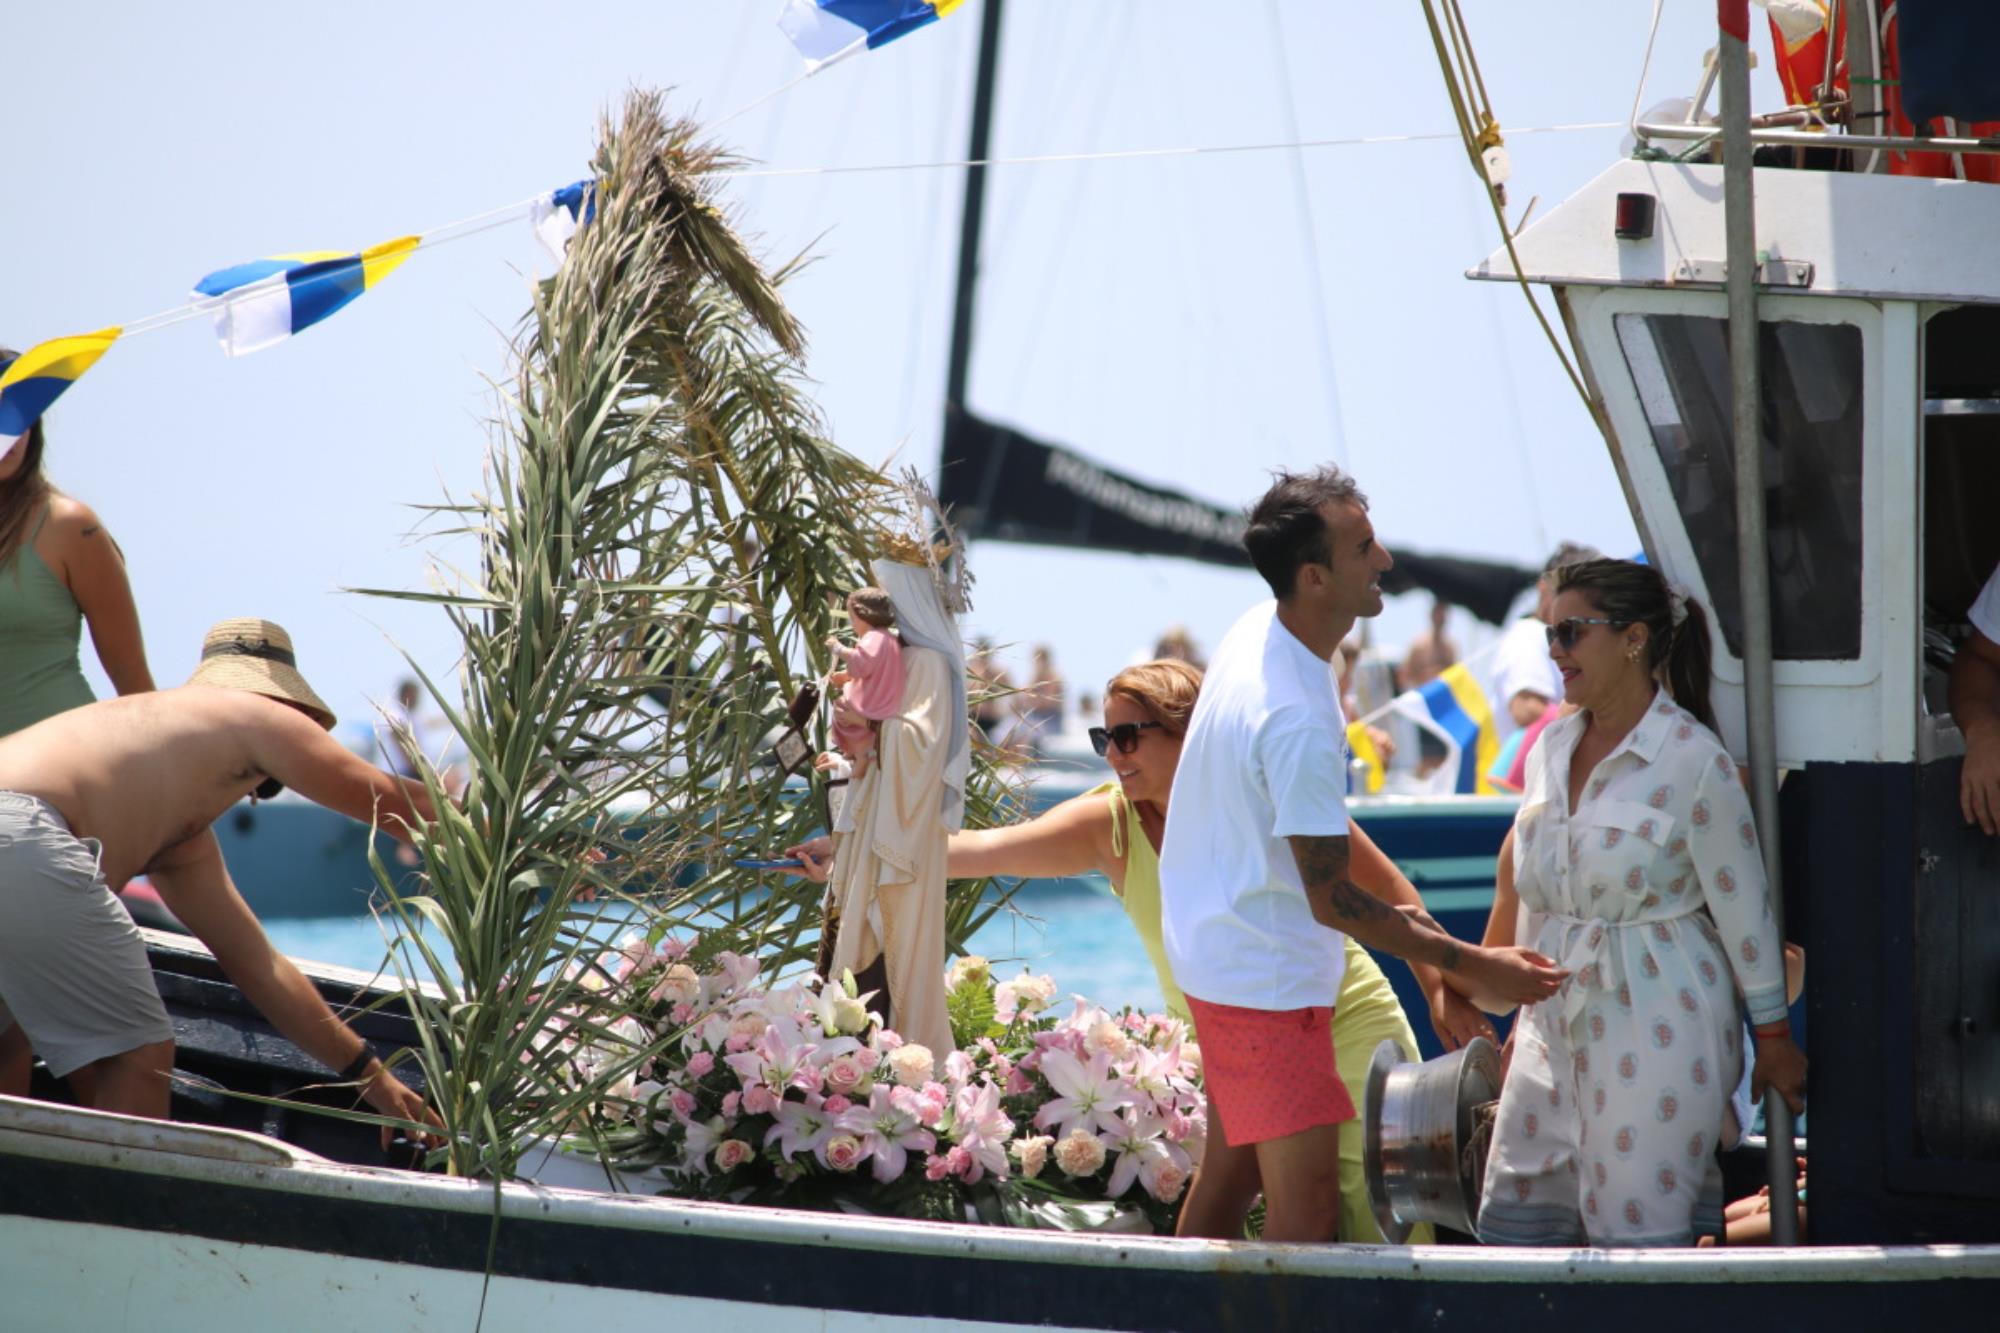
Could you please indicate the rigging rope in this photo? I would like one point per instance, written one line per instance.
(1479, 129)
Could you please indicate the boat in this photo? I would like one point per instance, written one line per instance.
(1879, 407)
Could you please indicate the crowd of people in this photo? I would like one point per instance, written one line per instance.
(1632, 926)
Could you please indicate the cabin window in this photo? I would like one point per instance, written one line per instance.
(1812, 424)
(1961, 460)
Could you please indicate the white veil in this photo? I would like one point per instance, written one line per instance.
(923, 621)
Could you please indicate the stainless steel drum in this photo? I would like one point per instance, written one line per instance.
(1423, 1158)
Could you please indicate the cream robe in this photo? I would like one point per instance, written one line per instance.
(887, 883)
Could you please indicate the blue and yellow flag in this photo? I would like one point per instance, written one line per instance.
(1457, 706)
(828, 30)
(1362, 746)
(268, 300)
(37, 377)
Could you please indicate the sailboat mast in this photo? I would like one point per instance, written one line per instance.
(975, 206)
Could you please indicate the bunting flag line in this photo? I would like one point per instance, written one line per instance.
(559, 214)
(828, 30)
(37, 377)
(268, 300)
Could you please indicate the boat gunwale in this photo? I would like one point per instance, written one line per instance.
(306, 1175)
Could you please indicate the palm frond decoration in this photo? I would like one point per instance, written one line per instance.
(663, 537)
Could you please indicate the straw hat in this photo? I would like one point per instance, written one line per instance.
(256, 655)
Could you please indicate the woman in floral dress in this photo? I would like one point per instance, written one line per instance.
(1638, 867)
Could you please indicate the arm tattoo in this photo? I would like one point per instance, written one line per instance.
(1341, 903)
(1323, 868)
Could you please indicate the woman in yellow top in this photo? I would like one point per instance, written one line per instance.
(1116, 830)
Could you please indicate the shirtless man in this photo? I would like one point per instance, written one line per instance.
(129, 786)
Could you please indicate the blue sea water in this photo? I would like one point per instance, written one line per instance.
(1074, 930)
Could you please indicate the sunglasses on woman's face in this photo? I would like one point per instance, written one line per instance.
(1125, 736)
(1567, 632)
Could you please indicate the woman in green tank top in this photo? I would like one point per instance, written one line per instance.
(1116, 830)
(58, 569)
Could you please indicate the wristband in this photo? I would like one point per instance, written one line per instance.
(355, 1068)
(1779, 1028)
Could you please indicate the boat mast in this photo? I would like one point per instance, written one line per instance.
(975, 211)
(1753, 561)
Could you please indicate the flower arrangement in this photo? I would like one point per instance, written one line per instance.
(798, 1095)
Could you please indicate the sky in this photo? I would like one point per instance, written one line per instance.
(1195, 321)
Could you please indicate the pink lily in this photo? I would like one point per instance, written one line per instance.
(1089, 1094)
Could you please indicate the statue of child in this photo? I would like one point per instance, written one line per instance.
(870, 676)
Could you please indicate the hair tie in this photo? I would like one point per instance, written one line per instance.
(1677, 605)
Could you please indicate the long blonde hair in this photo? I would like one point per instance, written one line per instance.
(22, 497)
(1165, 688)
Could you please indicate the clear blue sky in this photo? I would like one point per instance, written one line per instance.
(1159, 314)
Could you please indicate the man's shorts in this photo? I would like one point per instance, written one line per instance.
(73, 967)
(1270, 1072)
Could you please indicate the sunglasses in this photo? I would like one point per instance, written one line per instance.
(1125, 736)
(1567, 632)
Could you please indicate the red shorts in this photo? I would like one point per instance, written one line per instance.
(1270, 1072)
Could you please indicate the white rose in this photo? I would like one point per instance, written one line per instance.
(1191, 1060)
(748, 1026)
(911, 1064)
(850, 1016)
(969, 968)
(1080, 1154)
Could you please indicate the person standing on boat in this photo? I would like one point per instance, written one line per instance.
(1256, 867)
(1524, 682)
(1115, 830)
(96, 795)
(1637, 864)
(59, 569)
(1975, 706)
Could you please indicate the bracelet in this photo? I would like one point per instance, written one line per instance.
(1781, 1027)
(356, 1067)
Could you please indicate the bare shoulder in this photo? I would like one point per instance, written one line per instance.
(70, 519)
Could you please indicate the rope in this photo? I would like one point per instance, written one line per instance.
(1460, 69)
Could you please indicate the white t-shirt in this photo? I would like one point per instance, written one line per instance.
(1522, 662)
(1985, 612)
(1265, 758)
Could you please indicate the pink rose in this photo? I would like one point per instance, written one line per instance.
(1018, 1083)
(672, 950)
(700, 1063)
(730, 1102)
(732, 1153)
(1167, 1183)
(843, 1151)
(758, 1100)
(843, 1072)
(682, 1013)
(887, 1040)
(808, 1079)
(836, 1104)
(683, 1102)
(936, 1168)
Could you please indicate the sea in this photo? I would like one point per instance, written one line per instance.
(1073, 930)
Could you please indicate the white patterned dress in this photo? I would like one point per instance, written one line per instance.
(1653, 894)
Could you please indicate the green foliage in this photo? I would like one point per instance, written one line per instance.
(970, 1004)
(661, 533)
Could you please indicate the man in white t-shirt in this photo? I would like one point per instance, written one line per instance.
(1254, 871)
(1525, 682)
(1975, 706)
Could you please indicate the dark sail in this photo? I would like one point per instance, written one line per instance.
(1002, 485)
